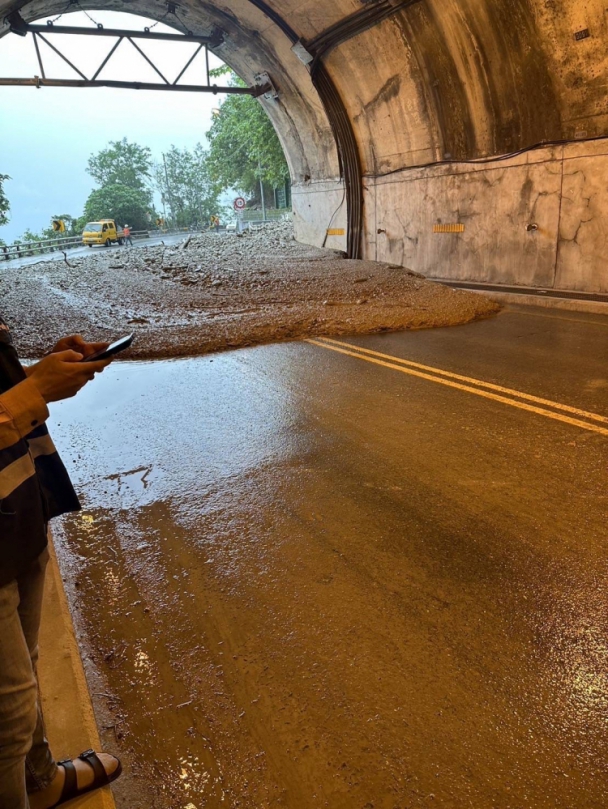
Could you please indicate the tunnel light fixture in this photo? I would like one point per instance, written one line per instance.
(300, 51)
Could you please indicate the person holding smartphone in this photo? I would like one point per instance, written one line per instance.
(34, 488)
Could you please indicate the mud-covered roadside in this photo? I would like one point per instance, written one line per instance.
(218, 291)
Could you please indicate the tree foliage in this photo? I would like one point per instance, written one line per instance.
(185, 186)
(244, 147)
(119, 202)
(122, 163)
(124, 172)
(4, 203)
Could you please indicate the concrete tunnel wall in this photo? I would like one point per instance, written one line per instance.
(434, 85)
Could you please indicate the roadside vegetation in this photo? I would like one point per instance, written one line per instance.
(4, 203)
(244, 154)
(244, 148)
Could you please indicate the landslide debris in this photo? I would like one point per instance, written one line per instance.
(215, 291)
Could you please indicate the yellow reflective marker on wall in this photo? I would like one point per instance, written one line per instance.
(452, 228)
(336, 232)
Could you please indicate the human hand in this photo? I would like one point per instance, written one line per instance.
(62, 375)
(76, 342)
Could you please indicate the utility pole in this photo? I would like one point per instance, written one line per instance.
(262, 191)
(169, 190)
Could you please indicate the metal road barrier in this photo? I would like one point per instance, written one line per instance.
(34, 248)
(257, 217)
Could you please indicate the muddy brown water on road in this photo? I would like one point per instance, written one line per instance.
(289, 597)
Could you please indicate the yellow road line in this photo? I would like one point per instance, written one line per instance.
(477, 391)
(509, 391)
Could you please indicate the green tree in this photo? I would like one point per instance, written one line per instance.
(122, 163)
(125, 205)
(4, 203)
(30, 236)
(244, 148)
(124, 172)
(185, 186)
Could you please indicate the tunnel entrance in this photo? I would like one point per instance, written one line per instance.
(438, 136)
(106, 54)
(214, 280)
(259, 610)
(303, 130)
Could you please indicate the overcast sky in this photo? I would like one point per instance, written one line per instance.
(47, 134)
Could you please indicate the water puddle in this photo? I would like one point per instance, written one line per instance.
(287, 596)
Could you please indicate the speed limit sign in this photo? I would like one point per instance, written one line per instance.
(239, 204)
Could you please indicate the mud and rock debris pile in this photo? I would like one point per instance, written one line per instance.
(215, 291)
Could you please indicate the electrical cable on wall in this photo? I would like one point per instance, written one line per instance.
(335, 213)
(481, 161)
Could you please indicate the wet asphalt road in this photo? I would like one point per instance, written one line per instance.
(25, 261)
(309, 579)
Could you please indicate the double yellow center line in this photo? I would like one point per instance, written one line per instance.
(515, 398)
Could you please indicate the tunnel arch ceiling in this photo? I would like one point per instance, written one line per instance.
(433, 82)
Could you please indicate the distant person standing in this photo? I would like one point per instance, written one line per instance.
(127, 232)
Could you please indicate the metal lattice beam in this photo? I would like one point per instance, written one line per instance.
(43, 32)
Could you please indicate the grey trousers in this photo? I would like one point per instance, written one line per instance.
(26, 763)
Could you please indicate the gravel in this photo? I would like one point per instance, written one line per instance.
(216, 291)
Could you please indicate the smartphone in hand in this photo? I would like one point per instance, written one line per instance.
(111, 350)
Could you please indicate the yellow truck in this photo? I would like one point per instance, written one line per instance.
(104, 232)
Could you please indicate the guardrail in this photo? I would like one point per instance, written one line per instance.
(35, 248)
(273, 215)
(22, 249)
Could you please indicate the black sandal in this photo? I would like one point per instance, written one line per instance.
(101, 778)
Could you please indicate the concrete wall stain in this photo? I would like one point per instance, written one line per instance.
(445, 89)
(389, 90)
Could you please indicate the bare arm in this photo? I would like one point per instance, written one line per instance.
(62, 375)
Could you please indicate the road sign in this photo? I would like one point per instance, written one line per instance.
(58, 226)
(239, 204)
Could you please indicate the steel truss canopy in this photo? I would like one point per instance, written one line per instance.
(43, 33)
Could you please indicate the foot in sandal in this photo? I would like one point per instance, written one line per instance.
(76, 777)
